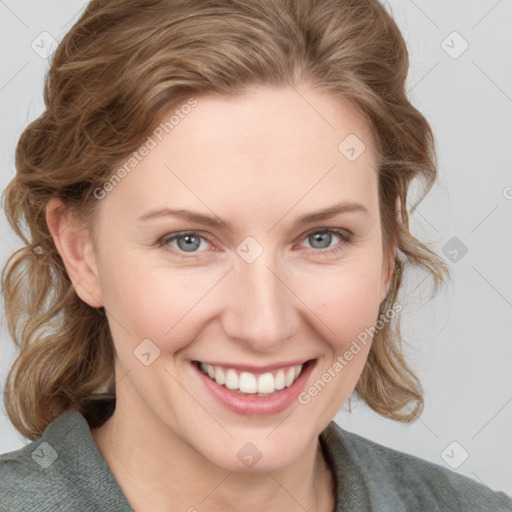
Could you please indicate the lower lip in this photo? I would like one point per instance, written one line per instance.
(251, 405)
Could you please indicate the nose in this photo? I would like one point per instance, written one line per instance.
(261, 310)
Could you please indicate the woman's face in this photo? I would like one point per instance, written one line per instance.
(246, 280)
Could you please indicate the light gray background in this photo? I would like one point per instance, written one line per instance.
(460, 343)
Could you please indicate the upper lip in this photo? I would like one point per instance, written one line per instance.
(257, 369)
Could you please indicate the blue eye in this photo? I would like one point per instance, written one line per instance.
(321, 237)
(324, 238)
(188, 242)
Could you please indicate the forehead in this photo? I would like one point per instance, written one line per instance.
(268, 147)
(267, 123)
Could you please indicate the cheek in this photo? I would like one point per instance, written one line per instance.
(154, 302)
(168, 305)
(347, 301)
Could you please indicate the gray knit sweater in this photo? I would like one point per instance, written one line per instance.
(63, 470)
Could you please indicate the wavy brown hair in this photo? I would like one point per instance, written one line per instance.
(114, 75)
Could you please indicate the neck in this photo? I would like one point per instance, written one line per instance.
(137, 453)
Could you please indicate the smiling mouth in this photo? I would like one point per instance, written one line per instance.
(248, 383)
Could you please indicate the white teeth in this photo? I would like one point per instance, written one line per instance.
(231, 379)
(247, 382)
(266, 383)
(220, 378)
(290, 376)
(279, 380)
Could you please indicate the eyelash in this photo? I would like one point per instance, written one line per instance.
(345, 236)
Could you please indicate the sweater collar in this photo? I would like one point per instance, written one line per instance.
(78, 449)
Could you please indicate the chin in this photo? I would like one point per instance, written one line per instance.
(260, 450)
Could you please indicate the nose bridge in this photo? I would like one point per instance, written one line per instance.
(261, 309)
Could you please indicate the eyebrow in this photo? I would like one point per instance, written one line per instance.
(216, 222)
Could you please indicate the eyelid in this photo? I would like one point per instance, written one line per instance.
(164, 240)
(338, 231)
(344, 234)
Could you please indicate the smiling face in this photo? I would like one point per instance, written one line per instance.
(260, 297)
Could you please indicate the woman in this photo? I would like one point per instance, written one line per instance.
(216, 198)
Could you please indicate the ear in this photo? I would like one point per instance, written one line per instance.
(388, 261)
(388, 267)
(76, 249)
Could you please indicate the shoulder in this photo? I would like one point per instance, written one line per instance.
(405, 481)
(41, 473)
(62, 470)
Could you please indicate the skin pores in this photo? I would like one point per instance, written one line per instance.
(258, 161)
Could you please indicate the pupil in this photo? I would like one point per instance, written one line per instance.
(321, 237)
(192, 242)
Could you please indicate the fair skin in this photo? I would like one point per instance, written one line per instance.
(258, 161)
